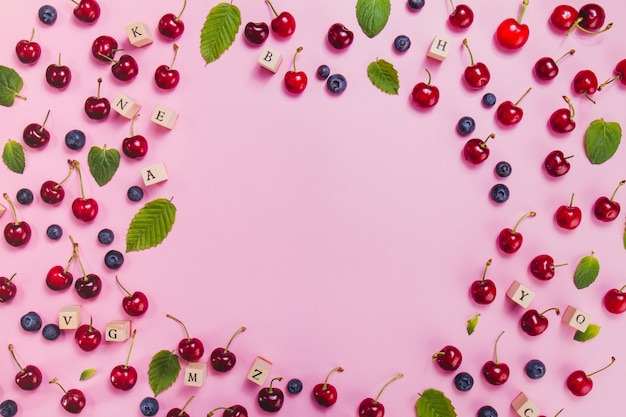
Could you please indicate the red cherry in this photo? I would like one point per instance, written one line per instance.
(496, 373)
(510, 240)
(125, 69)
(29, 377)
(556, 163)
(591, 18)
(52, 192)
(28, 52)
(134, 146)
(190, 349)
(615, 300)
(295, 81)
(483, 291)
(283, 24)
(256, 33)
(476, 75)
(579, 383)
(87, 337)
(57, 75)
(96, 107)
(124, 377)
(232, 411)
(135, 304)
(449, 358)
(509, 113)
(87, 11)
(326, 394)
(84, 209)
(8, 289)
(476, 151)
(542, 267)
(271, 399)
(534, 323)
(546, 68)
(104, 48)
(585, 82)
(36, 135)
(511, 33)
(339, 36)
(562, 120)
(568, 217)
(73, 400)
(222, 359)
(166, 77)
(607, 209)
(16, 233)
(170, 25)
(371, 407)
(461, 17)
(563, 17)
(424, 94)
(59, 278)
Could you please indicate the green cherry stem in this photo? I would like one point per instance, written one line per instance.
(487, 264)
(556, 310)
(521, 13)
(181, 10)
(75, 256)
(560, 411)
(529, 214)
(121, 286)
(181, 323)
(278, 378)
(130, 349)
(294, 57)
(15, 358)
(55, 380)
(175, 47)
(8, 199)
(337, 369)
(71, 164)
(59, 58)
(41, 128)
(484, 142)
(12, 276)
(607, 82)
(429, 76)
(570, 52)
(32, 35)
(239, 330)
(395, 378)
(132, 125)
(182, 410)
(468, 50)
(271, 7)
(80, 178)
(495, 348)
(210, 413)
(622, 289)
(571, 107)
(523, 95)
(602, 369)
(618, 187)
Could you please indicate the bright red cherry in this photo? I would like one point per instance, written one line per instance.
(557, 164)
(509, 113)
(461, 17)
(124, 377)
(448, 358)
(496, 373)
(483, 291)
(59, 278)
(36, 135)
(87, 11)
(135, 146)
(295, 81)
(339, 36)
(283, 24)
(256, 33)
(511, 33)
(546, 68)
(190, 349)
(222, 359)
(607, 209)
(568, 217)
(8, 289)
(543, 268)
(125, 68)
(510, 240)
(562, 120)
(563, 17)
(73, 400)
(29, 377)
(52, 192)
(425, 95)
(57, 75)
(170, 25)
(84, 209)
(135, 304)
(580, 383)
(534, 323)
(87, 337)
(28, 52)
(620, 74)
(476, 151)
(371, 407)
(104, 48)
(476, 75)
(585, 82)
(166, 77)
(615, 300)
(16, 233)
(96, 107)
(326, 394)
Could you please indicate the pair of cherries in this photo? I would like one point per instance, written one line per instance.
(283, 25)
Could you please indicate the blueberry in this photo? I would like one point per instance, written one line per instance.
(487, 411)
(336, 83)
(54, 232)
(402, 43)
(8, 408)
(47, 14)
(323, 71)
(24, 196)
(149, 406)
(75, 139)
(106, 236)
(31, 322)
(535, 369)
(489, 100)
(503, 169)
(463, 381)
(294, 386)
(416, 4)
(51, 331)
(499, 193)
(113, 259)
(135, 193)
(465, 125)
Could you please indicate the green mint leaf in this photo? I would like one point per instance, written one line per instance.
(151, 225)
(602, 140)
(372, 15)
(10, 85)
(219, 30)
(472, 323)
(384, 76)
(434, 403)
(103, 163)
(13, 156)
(586, 272)
(87, 373)
(625, 236)
(163, 371)
(592, 331)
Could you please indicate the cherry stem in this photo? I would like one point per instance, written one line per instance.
(90, 324)
(132, 125)
(210, 413)
(71, 164)
(609, 81)
(55, 380)
(523, 95)
(99, 82)
(429, 76)
(80, 178)
(271, 7)
(15, 358)
(395, 378)
(185, 406)
(587, 31)
(571, 107)
(452, 4)
(556, 310)
(239, 330)
(521, 13)
(622, 182)
(181, 323)
(557, 266)
(571, 201)
(337, 369)
(75, 256)
(589, 98)
(130, 349)
(495, 348)
(602, 369)
(181, 10)
(6, 197)
(470, 52)
(175, 47)
(561, 410)
(484, 142)
(294, 57)
(32, 35)
(121, 286)
(12, 276)
(570, 52)
(41, 129)
(487, 264)
(529, 214)
(108, 58)
(278, 378)
(59, 58)
(622, 289)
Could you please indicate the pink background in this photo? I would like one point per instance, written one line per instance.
(341, 230)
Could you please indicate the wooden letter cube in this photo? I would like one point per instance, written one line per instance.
(154, 174)
(520, 294)
(524, 407)
(164, 117)
(125, 106)
(270, 59)
(260, 370)
(2, 210)
(117, 331)
(139, 34)
(439, 48)
(195, 374)
(69, 318)
(576, 318)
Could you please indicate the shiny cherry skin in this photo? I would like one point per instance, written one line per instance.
(511, 34)
(58, 278)
(8, 289)
(371, 408)
(614, 301)
(579, 384)
(593, 16)
(191, 349)
(87, 337)
(476, 151)
(236, 410)
(483, 291)
(123, 377)
(51, 192)
(448, 358)
(283, 25)
(546, 68)
(424, 94)
(58, 76)
(103, 48)
(170, 26)
(87, 11)
(563, 17)
(496, 373)
(36, 135)
(607, 209)
(85, 209)
(28, 51)
(17, 234)
(476, 76)
(585, 82)
(568, 216)
(534, 323)
(166, 77)
(510, 241)
(73, 401)
(88, 287)
(509, 114)
(135, 146)
(125, 69)
(325, 394)
(295, 81)
(29, 378)
(222, 360)
(256, 33)
(96, 107)
(542, 267)
(561, 121)
(556, 163)
(339, 36)
(135, 304)
(461, 17)
(271, 399)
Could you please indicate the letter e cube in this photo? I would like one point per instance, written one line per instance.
(164, 117)
(270, 59)
(260, 370)
(69, 317)
(576, 318)
(139, 34)
(520, 294)
(524, 407)
(195, 374)
(117, 331)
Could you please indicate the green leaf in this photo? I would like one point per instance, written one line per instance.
(472, 323)
(592, 331)
(434, 403)
(384, 76)
(13, 156)
(602, 140)
(151, 225)
(373, 15)
(103, 163)
(219, 30)
(87, 373)
(625, 236)
(163, 371)
(586, 272)
(10, 85)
